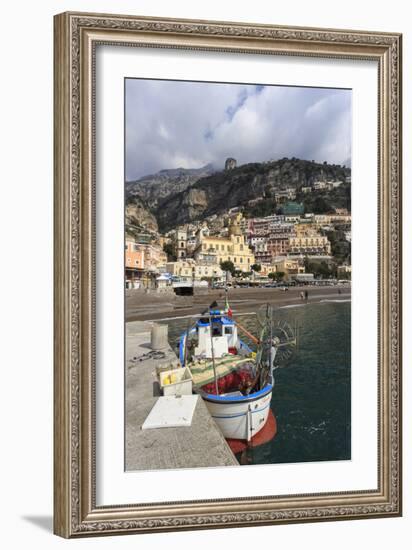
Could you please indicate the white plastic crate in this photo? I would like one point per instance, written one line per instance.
(176, 381)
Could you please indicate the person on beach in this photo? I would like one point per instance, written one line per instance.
(306, 294)
(302, 295)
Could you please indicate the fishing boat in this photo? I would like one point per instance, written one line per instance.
(234, 380)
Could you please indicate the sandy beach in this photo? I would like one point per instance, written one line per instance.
(142, 306)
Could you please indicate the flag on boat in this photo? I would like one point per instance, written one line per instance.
(228, 309)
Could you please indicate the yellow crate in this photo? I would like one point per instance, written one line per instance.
(176, 381)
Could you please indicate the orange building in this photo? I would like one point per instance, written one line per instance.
(142, 263)
(134, 258)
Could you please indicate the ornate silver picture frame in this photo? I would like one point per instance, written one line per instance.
(76, 37)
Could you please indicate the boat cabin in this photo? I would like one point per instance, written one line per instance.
(219, 328)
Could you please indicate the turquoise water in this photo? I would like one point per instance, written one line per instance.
(311, 398)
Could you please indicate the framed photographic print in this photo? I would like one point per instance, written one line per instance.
(227, 274)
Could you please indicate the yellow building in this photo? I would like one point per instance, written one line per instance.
(321, 219)
(184, 269)
(344, 271)
(189, 270)
(310, 244)
(288, 266)
(214, 250)
(208, 272)
(305, 229)
(340, 218)
(308, 241)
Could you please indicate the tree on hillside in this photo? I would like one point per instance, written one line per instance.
(321, 206)
(265, 207)
(170, 251)
(228, 266)
(322, 270)
(340, 247)
(345, 275)
(277, 276)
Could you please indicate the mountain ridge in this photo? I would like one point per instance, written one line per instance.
(165, 182)
(178, 196)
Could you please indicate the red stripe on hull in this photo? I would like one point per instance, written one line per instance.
(266, 434)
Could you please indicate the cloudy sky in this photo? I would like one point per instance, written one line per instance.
(172, 124)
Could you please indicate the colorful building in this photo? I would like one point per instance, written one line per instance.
(278, 245)
(344, 271)
(142, 262)
(285, 194)
(262, 255)
(289, 266)
(184, 269)
(134, 262)
(309, 244)
(292, 209)
(261, 226)
(214, 250)
(189, 270)
(155, 258)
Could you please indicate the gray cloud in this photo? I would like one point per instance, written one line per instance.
(189, 124)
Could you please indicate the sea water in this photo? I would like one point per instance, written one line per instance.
(311, 397)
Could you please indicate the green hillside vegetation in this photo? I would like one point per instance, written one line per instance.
(324, 201)
(341, 248)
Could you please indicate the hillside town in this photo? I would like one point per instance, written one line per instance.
(290, 246)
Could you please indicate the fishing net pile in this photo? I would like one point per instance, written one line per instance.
(233, 373)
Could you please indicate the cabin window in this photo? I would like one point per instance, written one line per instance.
(216, 330)
(228, 330)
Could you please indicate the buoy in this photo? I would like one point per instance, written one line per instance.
(266, 434)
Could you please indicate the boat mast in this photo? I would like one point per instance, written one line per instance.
(213, 355)
(272, 352)
(186, 342)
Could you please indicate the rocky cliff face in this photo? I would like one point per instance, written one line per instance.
(228, 189)
(156, 187)
(230, 163)
(138, 215)
(208, 196)
(176, 197)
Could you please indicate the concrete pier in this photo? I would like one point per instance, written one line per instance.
(200, 445)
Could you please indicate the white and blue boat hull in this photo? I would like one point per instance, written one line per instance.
(237, 415)
(240, 417)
